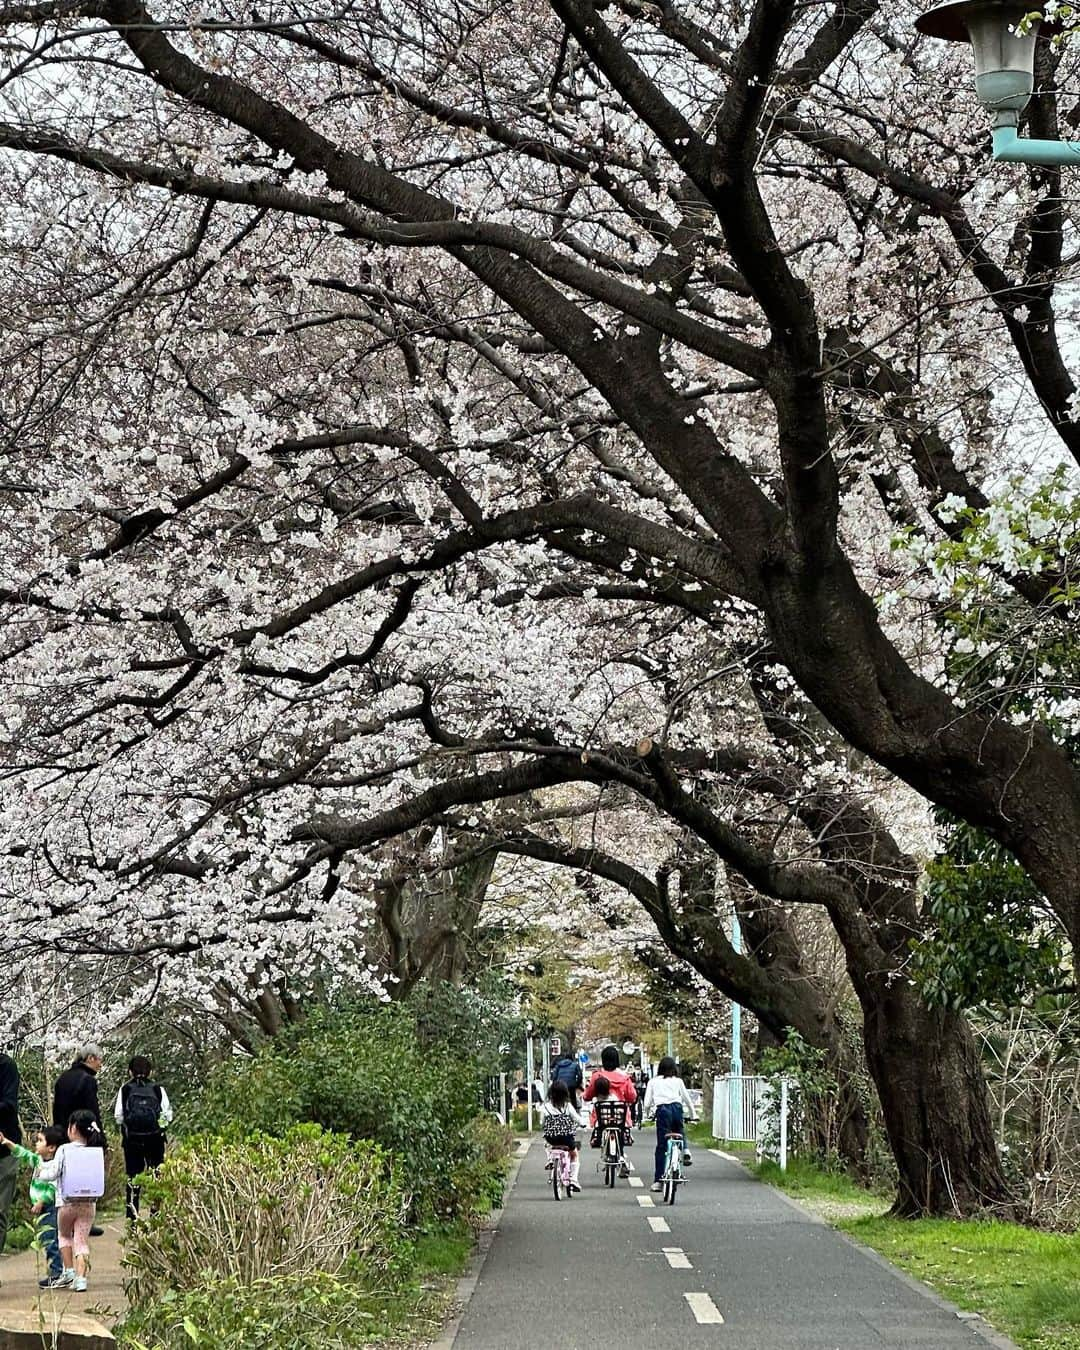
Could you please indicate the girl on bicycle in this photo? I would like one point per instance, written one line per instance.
(666, 1098)
(559, 1119)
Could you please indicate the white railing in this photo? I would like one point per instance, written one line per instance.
(737, 1103)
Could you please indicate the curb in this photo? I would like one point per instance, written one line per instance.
(466, 1285)
(979, 1325)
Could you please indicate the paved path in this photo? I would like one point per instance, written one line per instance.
(731, 1264)
(104, 1298)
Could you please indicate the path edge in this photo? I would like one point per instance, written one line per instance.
(979, 1325)
(466, 1285)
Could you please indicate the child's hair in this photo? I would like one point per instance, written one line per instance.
(53, 1135)
(601, 1088)
(668, 1068)
(558, 1094)
(139, 1067)
(86, 1127)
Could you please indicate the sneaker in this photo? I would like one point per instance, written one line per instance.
(56, 1282)
(79, 1284)
(575, 1188)
(96, 1230)
(687, 1159)
(624, 1170)
(549, 1164)
(657, 1186)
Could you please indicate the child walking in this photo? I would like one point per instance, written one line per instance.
(559, 1119)
(80, 1184)
(43, 1196)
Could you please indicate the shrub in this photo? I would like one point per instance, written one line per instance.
(314, 1311)
(479, 1176)
(266, 1208)
(362, 1072)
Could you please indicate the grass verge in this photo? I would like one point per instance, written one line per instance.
(1024, 1282)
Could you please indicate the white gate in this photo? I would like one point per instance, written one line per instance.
(737, 1103)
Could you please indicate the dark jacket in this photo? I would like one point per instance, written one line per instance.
(9, 1101)
(76, 1090)
(568, 1071)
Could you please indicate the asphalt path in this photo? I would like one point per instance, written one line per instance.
(731, 1263)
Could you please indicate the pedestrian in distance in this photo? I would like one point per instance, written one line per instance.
(77, 1090)
(43, 1195)
(667, 1099)
(142, 1112)
(568, 1071)
(9, 1124)
(80, 1184)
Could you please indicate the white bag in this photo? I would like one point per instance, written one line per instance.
(82, 1173)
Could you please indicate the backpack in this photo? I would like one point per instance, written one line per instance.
(82, 1173)
(558, 1125)
(567, 1071)
(142, 1107)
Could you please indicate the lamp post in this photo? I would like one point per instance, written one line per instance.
(1004, 70)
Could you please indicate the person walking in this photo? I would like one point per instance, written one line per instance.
(43, 1196)
(9, 1126)
(80, 1183)
(568, 1071)
(77, 1090)
(142, 1112)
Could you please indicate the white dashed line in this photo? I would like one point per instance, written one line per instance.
(637, 1183)
(646, 1202)
(658, 1225)
(704, 1309)
(677, 1259)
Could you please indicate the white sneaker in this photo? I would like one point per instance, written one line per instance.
(657, 1186)
(79, 1284)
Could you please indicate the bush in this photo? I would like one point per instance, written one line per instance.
(479, 1177)
(266, 1208)
(314, 1311)
(361, 1072)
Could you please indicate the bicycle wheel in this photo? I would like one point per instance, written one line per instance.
(671, 1189)
(556, 1179)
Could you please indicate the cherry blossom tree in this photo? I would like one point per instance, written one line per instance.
(413, 411)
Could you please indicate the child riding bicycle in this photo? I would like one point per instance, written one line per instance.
(666, 1098)
(559, 1121)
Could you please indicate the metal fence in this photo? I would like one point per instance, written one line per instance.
(737, 1106)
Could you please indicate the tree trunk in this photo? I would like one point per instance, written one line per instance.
(935, 1103)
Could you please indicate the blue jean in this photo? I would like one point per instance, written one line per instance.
(669, 1120)
(46, 1233)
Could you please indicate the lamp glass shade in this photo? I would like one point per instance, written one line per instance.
(1004, 57)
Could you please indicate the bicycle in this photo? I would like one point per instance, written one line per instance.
(672, 1177)
(560, 1170)
(611, 1118)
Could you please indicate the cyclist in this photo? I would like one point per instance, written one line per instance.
(621, 1084)
(666, 1098)
(559, 1119)
(603, 1118)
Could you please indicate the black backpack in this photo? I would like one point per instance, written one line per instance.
(142, 1107)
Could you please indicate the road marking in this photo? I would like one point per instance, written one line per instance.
(646, 1202)
(728, 1157)
(658, 1225)
(704, 1309)
(636, 1182)
(677, 1259)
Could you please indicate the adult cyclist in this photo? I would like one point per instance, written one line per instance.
(621, 1088)
(666, 1098)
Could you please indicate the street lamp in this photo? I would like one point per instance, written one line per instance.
(1004, 69)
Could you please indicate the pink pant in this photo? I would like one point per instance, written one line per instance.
(74, 1222)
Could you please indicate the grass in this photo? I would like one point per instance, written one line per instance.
(1024, 1282)
(445, 1253)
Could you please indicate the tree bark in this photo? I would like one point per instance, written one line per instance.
(933, 1095)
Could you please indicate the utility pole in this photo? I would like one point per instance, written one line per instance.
(735, 1085)
(670, 1040)
(528, 1074)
